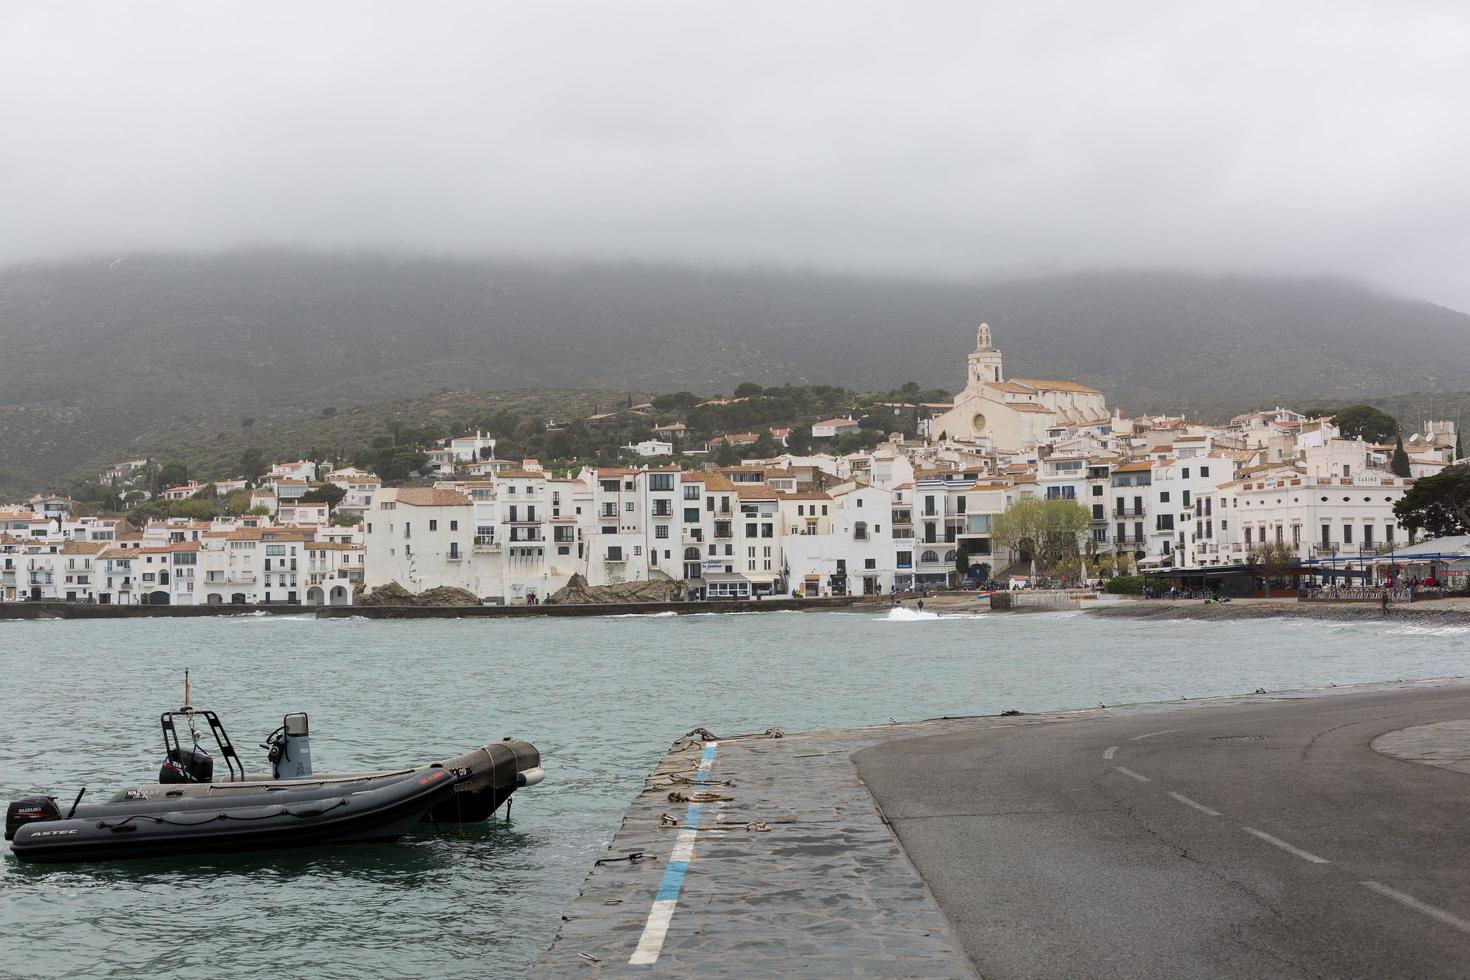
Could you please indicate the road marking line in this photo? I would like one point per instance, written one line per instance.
(1111, 751)
(1410, 901)
(1288, 848)
(1191, 803)
(1140, 738)
(651, 943)
(1133, 775)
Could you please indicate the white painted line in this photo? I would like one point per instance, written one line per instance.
(1112, 750)
(1195, 805)
(1140, 738)
(651, 943)
(1289, 849)
(1133, 775)
(656, 929)
(1440, 915)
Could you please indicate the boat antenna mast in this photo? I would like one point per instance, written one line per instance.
(188, 709)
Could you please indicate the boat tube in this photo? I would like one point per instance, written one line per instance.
(187, 810)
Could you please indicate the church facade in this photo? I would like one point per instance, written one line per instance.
(1012, 413)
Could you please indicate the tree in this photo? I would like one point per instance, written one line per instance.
(1399, 465)
(1020, 528)
(252, 464)
(1064, 522)
(961, 564)
(172, 475)
(328, 493)
(1367, 423)
(1438, 505)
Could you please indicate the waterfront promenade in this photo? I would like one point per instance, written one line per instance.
(1284, 834)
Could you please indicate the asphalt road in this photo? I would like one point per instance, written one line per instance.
(1255, 840)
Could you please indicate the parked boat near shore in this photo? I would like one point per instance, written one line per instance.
(189, 811)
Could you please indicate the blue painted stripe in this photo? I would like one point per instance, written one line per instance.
(668, 889)
(673, 880)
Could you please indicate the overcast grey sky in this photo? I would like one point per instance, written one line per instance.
(945, 137)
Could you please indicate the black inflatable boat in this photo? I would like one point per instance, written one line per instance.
(187, 810)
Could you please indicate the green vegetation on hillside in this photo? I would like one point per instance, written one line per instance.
(110, 360)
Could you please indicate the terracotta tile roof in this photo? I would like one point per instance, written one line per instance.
(522, 474)
(1140, 466)
(718, 482)
(755, 493)
(429, 497)
(1028, 407)
(1046, 384)
(1011, 387)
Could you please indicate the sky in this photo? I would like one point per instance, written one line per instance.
(927, 137)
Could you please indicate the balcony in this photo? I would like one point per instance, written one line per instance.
(1130, 512)
(485, 543)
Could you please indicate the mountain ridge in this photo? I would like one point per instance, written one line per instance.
(100, 354)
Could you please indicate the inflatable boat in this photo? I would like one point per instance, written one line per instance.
(189, 811)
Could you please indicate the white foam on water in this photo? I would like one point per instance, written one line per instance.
(657, 615)
(902, 614)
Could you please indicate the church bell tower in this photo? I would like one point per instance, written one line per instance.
(985, 363)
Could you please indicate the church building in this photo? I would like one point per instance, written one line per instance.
(1016, 412)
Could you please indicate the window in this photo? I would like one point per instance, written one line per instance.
(453, 549)
(637, 550)
(407, 550)
(870, 563)
(433, 525)
(660, 481)
(1186, 472)
(1097, 489)
(905, 559)
(628, 507)
(1097, 512)
(454, 525)
(1388, 533)
(1347, 533)
(1185, 499)
(1204, 471)
(1247, 537)
(614, 553)
(860, 530)
(691, 515)
(929, 556)
(1367, 535)
(691, 491)
(407, 529)
(661, 531)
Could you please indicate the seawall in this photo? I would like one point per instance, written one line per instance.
(82, 610)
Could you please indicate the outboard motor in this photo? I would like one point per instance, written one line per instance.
(29, 810)
(289, 748)
(187, 765)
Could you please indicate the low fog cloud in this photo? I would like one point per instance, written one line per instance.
(955, 138)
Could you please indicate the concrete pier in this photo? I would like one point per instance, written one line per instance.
(1283, 834)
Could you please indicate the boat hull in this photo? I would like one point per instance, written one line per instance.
(373, 810)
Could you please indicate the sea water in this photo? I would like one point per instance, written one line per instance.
(601, 697)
